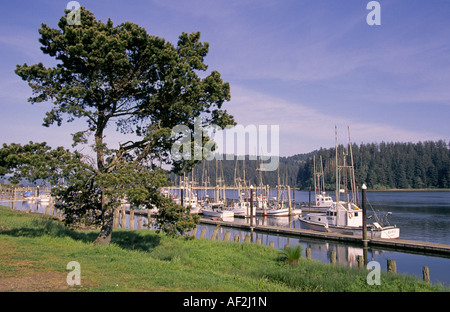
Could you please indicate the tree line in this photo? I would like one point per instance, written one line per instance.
(388, 165)
(378, 165)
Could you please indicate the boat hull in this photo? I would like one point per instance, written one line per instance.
(244, 212)
(389, 232)
(278, 212)
(218, 214)
(312, 225)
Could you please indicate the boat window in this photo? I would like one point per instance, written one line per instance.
(356, 214)
(319, 219)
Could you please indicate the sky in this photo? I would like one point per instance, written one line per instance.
(304, 66)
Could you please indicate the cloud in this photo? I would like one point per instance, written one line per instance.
(304, 129)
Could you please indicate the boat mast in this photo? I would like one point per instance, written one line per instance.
(323, 175)
(337, 176)
(353, 182)
(315, 178)
(337, 167)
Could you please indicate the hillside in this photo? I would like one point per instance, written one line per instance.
(379, 165)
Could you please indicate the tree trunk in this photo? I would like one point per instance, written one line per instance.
(104, 238)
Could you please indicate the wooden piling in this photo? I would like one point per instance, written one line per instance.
(237, 238)
(426, 274)
(202, 234)
(271, 244)
(392, 266)
(247, 238)
(308, 253)
(360, 260)
(140, 223)
(215, 233)
(131, 219)
(258, 241)
(333, 258)
(226, 238)
(116, 218)
(123, 223)
(52, 210)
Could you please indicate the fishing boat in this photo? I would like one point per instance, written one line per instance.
(242, 209)
(344, 215)
(278, 209)
(189, 199)
(216, 210)
(323, 201)
(44, 198)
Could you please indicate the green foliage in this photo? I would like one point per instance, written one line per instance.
(146, 86)
(388, 165)
(175, 219)
(35, 161)
(291, 255)
(121, 74)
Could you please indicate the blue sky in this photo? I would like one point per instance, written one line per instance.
(303, 65)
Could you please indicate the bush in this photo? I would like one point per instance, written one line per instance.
(291, 255)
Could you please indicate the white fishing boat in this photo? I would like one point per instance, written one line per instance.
(189, 199)
(262, 205)
(44, 198)
(216, 210)
(344, 216)
(278, 212)
(242, 209)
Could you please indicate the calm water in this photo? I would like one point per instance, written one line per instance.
(422, 216)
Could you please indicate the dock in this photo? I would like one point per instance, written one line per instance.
(425, 248)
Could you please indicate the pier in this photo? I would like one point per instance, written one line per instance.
(425, 248)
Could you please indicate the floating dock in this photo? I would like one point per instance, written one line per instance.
(425, 248)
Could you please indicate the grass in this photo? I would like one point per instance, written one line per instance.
(291, 255)
(36, 249)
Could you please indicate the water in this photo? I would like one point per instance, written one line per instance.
(421, 216)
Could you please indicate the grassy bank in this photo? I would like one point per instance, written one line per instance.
(35, 251)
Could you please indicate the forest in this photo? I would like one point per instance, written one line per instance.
(379, 165)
